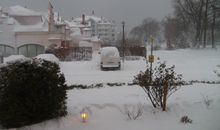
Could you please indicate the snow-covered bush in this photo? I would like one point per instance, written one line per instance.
(217, 71)
(185, 119)
(31, 91)
(207, 101)
(48, 57)
(133, 112)
(163, 83)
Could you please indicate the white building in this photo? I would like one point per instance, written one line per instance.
(27, 32)
(91, 26)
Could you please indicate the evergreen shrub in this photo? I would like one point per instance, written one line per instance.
(31, 91)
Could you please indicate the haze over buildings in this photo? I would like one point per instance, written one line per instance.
(131, 11)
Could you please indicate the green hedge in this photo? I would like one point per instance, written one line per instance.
(30, 92)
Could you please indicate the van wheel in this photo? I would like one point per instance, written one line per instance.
(119, 67)
(101, 67)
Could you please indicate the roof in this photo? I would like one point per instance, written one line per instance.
(18, 10)
(74, 24)
(95, 39)
(39, 27)
(95, 18)
(85, 44)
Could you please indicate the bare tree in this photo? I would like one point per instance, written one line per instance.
(136, 33)
(150, 27)
(215, 12)
(193, 10)
(174, 33)
(205, 22)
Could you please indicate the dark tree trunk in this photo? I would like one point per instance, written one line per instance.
(205, 23)
(213, 27)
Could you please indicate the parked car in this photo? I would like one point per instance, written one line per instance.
(110, 58)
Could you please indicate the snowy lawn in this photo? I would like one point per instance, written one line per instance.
(193, 64)
(107, 106)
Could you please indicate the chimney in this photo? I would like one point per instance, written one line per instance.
(93, 12)
(83, 19)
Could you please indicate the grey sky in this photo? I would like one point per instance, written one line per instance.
(131, 11)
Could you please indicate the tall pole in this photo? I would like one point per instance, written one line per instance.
(151, 58)
(123, 39)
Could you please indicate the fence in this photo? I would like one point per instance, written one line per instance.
(85, 53)
(72, 53)
(132, 51)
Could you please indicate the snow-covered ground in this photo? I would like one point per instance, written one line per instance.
(107, 106)
(193, 64)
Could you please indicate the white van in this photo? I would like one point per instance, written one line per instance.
(110, 58)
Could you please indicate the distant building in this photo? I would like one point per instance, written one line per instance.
(93, 26)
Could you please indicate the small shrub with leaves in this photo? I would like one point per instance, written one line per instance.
(159, 83)
(185, 119)
(30, 92)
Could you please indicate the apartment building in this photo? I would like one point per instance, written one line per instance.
(101, 27)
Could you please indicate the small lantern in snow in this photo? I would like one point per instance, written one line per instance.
(83, 116)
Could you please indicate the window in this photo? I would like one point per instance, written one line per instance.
(6, 50)
(30, 50)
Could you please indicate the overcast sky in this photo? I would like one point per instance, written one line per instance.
(131, 11)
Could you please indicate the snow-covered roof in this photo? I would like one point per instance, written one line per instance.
(71, 24)
(18, 10)
(40, 27)
(85, 44)
(95, 18)
(10, 21)
(76, 31)
(74, 24)
(87, 29)
(95, 39)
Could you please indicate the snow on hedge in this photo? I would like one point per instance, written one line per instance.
(15, 58)
(48, 57)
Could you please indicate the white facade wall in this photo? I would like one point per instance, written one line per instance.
(32, 38)
(106, 31)
(6, 32)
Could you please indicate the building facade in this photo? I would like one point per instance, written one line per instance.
(27, 32)
(92, 26)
